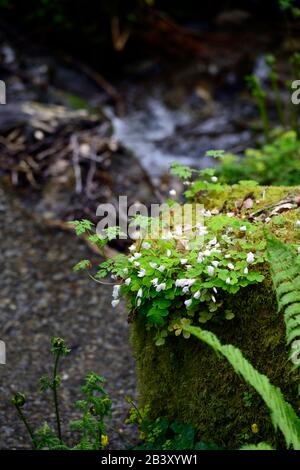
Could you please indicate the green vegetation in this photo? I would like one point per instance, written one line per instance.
(89, 430)
(164, 435)
(276, 163)
(181, 380)
(282, 414)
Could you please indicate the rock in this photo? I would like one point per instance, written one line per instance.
(184, 380)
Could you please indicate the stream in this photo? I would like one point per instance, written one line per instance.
(180, 115)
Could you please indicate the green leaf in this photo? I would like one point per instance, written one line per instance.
(81, 226)
(83, 264)
(183, 172)
(282, 413)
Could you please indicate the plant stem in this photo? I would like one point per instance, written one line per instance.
(27, 426)
(278, 102)
(55, 397)
(264, 116)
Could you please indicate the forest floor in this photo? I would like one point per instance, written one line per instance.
(41, 297)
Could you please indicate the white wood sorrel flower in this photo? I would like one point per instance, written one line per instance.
(116, 291)
(140, 292)
(161, 268)
(210, 270)
(146, 245)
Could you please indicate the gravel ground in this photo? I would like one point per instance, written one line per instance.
(41, 297)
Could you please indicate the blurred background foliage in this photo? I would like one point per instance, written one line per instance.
(109, 32)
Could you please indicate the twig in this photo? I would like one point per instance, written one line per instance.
(76, 165)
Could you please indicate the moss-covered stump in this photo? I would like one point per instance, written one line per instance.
(185, 380)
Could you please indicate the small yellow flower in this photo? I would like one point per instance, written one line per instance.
(104, 440)
(254, 428)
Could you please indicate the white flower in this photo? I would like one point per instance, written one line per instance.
(115, 302)
(161, 268)
(213, 299)
(202, 230)
(197, 294)
(207, 214)
(153, 265)
(297, 224)
(146, 245)
(213, 241)
(215, 263)
(137, 264)
(128, 281)
(185, 289)
(230, 266)
(115, 292)
(188, 303)
(215, 290)
(227, 256)
(250, 257)
(160, 287)
(243, 228)
(178, 230)
(183, 260)
(154, 282)
(184, 282)
(125, 270)
(172, 192)
(136, 235)
(132, 247)
(167, 236)
(140, 292)
(207, 253)
(214, 179)
(137, 255)
(210, 270)
(131, 259)
(228, 280)
(139, 301)
(200, 258)
(246, 270)
(142, 272)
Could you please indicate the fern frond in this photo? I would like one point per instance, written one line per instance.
(282, 413)
(259, 446)
(285, 271)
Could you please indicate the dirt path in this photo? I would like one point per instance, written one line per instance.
(40, 297)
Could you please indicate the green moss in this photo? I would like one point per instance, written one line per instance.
(185, 381)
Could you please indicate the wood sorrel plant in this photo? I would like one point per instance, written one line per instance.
(181, 279)
(95, 407)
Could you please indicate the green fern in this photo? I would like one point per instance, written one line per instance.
(260, 446)
(285, 271)
(282, 413)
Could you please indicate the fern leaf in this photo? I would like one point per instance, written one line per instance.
(260, 446)
(285, 271)
(282, 413)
